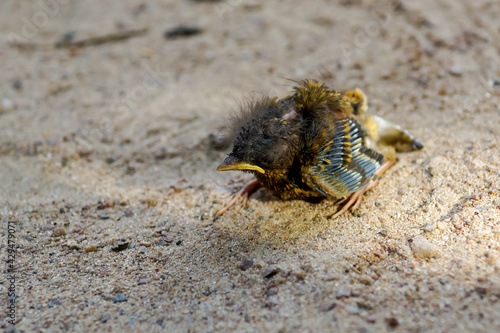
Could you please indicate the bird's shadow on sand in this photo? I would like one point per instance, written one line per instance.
(270, 219)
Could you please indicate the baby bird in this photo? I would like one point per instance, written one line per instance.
(316, 143)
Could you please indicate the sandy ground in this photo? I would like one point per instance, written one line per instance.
(108, 158)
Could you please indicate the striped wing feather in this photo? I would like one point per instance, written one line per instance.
(345, 164)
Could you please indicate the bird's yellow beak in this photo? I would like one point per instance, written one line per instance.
(230, 163)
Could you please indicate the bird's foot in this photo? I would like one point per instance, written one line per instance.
(354, 200)
(244, 193)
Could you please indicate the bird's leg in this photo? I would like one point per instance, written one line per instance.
(355, 198)
(244, 193)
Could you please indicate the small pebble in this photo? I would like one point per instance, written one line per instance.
(270, 272)
(120, 298)
(366, 280)
(246, 264)
(90, 248)
(356, 293)
(17, 84)
(104, 319)
(455, 70)
(161, 153)
(364, 306)
(428, 227)
(75, 247)
(57, 232)
(422, 248)
(143, 281)
(342, 293)
(120, 245)
(352, 309)
(383, 233)
(84, 151)
(54, 302)
(47, 227)
(393, 322)
(441, 226)
(327, 307)
(272, 291)
(443, 91)
(51, 141)
(481, 291)
(111, 159)
(458, 224)
(6, 105)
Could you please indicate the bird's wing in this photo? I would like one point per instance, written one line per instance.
(344, 163)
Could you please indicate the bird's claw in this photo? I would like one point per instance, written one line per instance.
(244, 194)
(354, 200)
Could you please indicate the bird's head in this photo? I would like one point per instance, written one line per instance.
(267, 138)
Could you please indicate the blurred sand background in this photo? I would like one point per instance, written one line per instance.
(108, 155)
